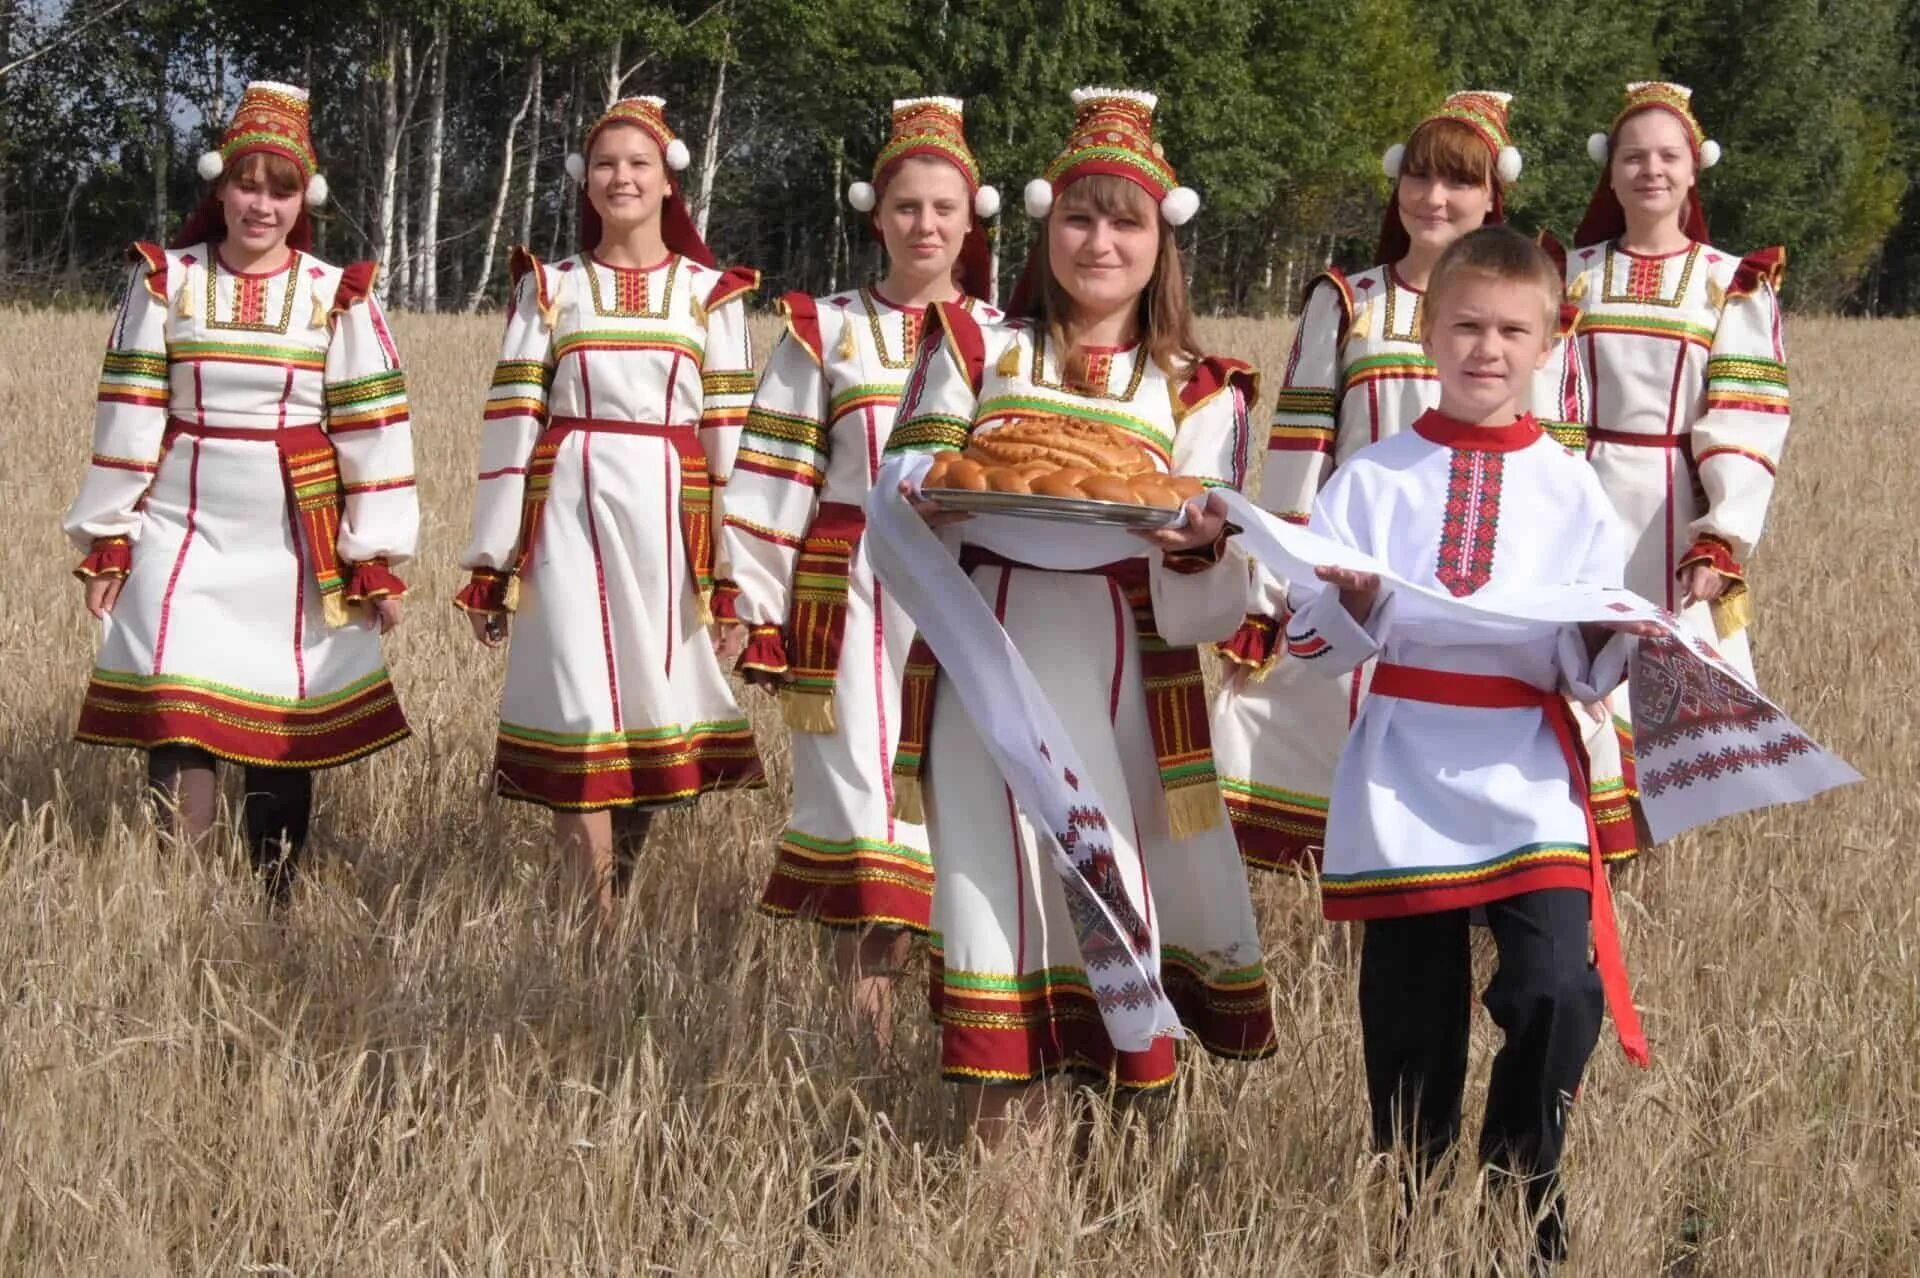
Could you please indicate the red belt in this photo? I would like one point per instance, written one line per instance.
(608, 426)
(177, 426)
(1635, 439)
(1497, 692)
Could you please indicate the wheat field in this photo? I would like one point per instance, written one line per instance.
(418, 1069)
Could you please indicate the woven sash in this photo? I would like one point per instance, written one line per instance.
(817, 623)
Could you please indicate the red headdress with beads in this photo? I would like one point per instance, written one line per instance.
(1606, 219)
(934, 127)
(677, 230)
(1485, 112)
(272, 119)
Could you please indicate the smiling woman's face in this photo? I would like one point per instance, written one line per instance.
(626, 179)
(1652, 168)
(1103, 252)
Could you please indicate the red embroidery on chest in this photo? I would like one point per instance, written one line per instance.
(1472, 520)
(910, 328)
(630, 290)
(250, 300)
(1099, 369)
(1644, 279)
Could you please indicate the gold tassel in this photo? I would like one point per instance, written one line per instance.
(333, 607)
(1362, 318)
(1009, 365)
(699, 311)
(908, 802)
(1193, 809)
(846, 349)
(1718, 296)
(808, 711)
(511, 601)
(1732, 611)
(549, 314)
(703, 607)
(184, 309)
(1577, 289)
(320, 308)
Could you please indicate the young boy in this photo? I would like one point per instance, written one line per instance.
(1460, 786)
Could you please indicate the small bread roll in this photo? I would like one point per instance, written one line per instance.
(1109, 488)
(937, 474)
(1154, 490)
(1007, 479)
(967, 474)
(1074, 475)
(1058, 484)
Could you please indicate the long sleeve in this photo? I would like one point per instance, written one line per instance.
(372, 434)
(777, 474)
(1321, 631)
(1562, 400)
(1602, 562)
(726, 377)
(1738, 443)
(516, 413)
(129, 423)
(1197, 600)
(1300, 441)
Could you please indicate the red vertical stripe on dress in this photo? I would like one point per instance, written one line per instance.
(1673, 462)
(179, 560)
(599, 576)
(1013, 818)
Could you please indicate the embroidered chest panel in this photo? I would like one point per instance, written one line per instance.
(1143, 408)
(1383, 338)
(1470, 523)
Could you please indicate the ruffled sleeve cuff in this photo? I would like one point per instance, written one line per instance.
(372, 580)
(1255, 645)
(110, 557)
(1714, 552)
(1200, 558)
(766, 651)
(487, 592)
(725, 603)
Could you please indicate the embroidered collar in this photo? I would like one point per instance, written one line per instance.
(1448, 432)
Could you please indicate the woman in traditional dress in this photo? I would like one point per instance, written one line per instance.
(1356, 375)
(821, 630)
(251, 489)
(1680, 348)
(1104, 336)
(611, 430)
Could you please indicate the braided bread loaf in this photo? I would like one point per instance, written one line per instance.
(1054, 456)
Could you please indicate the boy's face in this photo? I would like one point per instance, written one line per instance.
(1487, 337)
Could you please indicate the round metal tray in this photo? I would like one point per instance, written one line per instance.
(1066, 510)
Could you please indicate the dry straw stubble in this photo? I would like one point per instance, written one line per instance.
(417, 1070)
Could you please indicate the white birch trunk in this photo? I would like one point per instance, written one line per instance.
(389, 143)
(492, 243)
(710, 149)
(532, 185)
(839, 238)
(427, 274)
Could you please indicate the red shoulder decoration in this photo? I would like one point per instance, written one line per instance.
(519, 262)
(735, 281)
(356, 283)
(1556, 251)
(155, 259)
(1569, 320)
(950, 323)
(1767, 266)
(802, 314)
(1213, 374)
(1342, 287)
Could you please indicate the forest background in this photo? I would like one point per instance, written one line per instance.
(442, 125)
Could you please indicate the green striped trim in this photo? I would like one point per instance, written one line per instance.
(787, 428)
(1571, 436)
(1745, 370)
(716, 727)
(839, 402)
(144, 365)
(1159, 174)
(1413, 877)
(280, 354)
(1304, 403)
(520, 372)
(727, 383)
(1683, 329)
(629, 339)
(118, 679)
(1386, 364)
(929, 433)
(361, 390)
(847, 847)
(1273, 794)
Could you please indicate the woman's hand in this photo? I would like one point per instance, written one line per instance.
(1703, 583)
(102, 594)
(1358, 590)
(933, 514)
(490, 628)
(1206, 520)
(384, 615)
(729, 641)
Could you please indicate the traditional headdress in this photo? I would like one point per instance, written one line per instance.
(934, 126)
(1605, 219)
(272, 119)
(1485, 112)
(677, 230)
(1113, 134)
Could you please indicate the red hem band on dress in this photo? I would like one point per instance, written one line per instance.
(1275, 840)
(229, 723)
(852, 884)
(1053, 1026)
(622, 773)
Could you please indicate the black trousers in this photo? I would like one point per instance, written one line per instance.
(276, 809)
(1416, 979)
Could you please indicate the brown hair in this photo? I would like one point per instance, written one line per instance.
(1450, 151)
(1166, 320)
(279, 174)
(1502, 254)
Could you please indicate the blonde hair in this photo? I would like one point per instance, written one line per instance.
(1166, 319)
(1501, 254)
